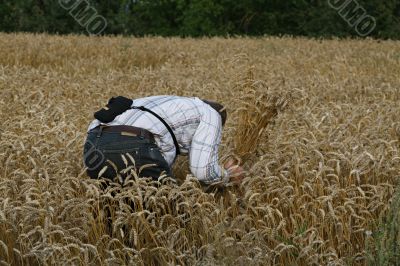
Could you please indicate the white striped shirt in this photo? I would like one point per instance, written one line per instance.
(196, 125)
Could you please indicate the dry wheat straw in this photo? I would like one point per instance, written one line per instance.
(316, 124)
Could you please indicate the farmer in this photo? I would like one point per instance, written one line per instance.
(153, 131)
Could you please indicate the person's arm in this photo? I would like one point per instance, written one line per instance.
(203, 156)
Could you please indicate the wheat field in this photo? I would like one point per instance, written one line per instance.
(314, 122)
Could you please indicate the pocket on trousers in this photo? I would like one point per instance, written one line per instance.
(122, 151)
(117, 156)
(154, 154)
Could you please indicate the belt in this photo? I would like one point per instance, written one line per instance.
(127, 131)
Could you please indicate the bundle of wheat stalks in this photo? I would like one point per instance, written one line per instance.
(259, 106)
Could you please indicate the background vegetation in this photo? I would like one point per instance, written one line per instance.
(202, 17)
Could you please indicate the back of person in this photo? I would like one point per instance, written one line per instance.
(181, 113)
(137, 137)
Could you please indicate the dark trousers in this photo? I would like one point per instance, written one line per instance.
(105, 149)
(116, 151)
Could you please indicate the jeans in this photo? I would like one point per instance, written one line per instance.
(102, 147)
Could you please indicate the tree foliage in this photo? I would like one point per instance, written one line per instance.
(314, 18)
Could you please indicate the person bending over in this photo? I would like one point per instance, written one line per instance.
(154, 131)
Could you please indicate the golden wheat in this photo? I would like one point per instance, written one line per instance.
(315, 122)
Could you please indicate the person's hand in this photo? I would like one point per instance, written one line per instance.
(236, 172)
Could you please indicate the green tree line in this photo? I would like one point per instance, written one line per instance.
(315, 18)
